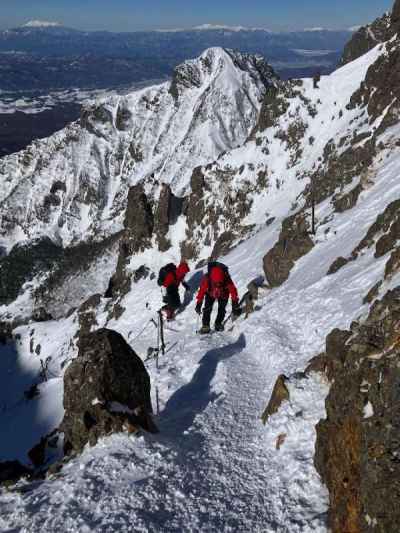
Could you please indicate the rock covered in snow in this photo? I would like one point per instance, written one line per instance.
(106, 373)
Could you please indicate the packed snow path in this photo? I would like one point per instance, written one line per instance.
(214, 466)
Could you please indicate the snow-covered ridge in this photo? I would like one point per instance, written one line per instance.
(207, 27)
(41, 24)
(37, 103)
(158, 134)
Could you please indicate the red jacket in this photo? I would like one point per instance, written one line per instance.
(177, 277)
(228, 289)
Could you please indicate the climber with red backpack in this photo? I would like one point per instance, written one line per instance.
(216, 285)
(171, 277)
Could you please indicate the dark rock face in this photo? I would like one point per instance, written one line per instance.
(294, 242)
(12, 471)
(380, 92)
(357, 450)
(139, 221)
(143, 220)
(195, 210)
(168, 210)
(279, 395)
(367, 38)
(338, 263)
(137, 234)
(106, 390)
(393, 265)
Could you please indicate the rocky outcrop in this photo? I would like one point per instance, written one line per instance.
(168, 210)
(395, 21)
(294, 242)
(384, 234)
(380, 92)
(106, 390)
(279, 395)
(347, 201)
(136, 237)
(338, 169)
(367, 38)
(357, 449)
(393, 265)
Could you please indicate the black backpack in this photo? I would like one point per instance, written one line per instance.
(164, 271)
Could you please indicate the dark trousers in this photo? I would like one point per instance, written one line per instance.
(208, 305)
(172, 298)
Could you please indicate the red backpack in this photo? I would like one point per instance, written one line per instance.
(218, 275)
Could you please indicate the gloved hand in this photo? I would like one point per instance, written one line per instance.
(185, 286)
(236, 310)
(198, 308)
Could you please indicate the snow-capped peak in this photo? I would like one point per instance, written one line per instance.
(41, 24)
(211, 27)
(316, 29)
(211, 105)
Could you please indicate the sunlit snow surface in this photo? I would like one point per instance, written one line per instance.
(214, 466)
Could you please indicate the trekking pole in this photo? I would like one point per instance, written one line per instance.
(157, 353)
(162, 332)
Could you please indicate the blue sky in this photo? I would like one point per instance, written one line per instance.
(133, 15)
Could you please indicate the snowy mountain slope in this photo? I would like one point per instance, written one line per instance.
(302, 134)
(214, 466)
(210, 106)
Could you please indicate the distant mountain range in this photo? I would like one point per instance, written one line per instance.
(49, 55)
(41, 59)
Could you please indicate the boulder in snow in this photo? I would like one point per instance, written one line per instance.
(106, 390)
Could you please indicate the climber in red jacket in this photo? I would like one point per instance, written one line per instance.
(170, 277)
(216, 285)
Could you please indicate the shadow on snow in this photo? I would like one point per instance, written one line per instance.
(21, 421)
(192, 399)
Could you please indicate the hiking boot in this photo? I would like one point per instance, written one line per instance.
(168, 312)
(204, 330)
(219, 327)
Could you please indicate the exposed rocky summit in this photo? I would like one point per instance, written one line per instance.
(106, 390)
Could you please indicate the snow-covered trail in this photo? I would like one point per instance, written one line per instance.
(213, 467)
